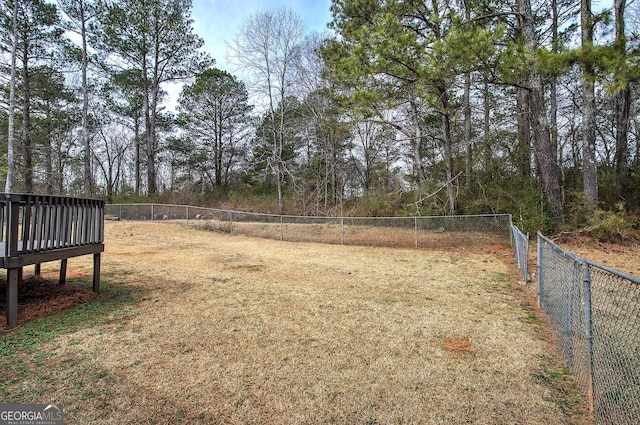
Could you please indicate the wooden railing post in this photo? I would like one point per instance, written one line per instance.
(11, 251)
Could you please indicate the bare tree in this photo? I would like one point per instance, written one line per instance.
(111, 150)
(267, 48)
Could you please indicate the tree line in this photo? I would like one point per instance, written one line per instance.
(403, 107)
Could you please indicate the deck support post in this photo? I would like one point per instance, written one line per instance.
(12, 297)
(37, 269)
(63, 272)
(96, 273)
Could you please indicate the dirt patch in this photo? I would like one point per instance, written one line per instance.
(457, 345)
(42, 297)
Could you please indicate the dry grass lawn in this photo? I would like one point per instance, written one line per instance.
(232, 330)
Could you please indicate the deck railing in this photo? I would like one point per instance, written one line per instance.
(37, 229)
(33, 225)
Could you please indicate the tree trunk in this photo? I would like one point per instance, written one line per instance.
(88, 178)
(622, 102)
(26, 123)
(60, 168)
(589, 170)
(553, 89)
(136, 141)
(12, 102)
(467, 131)
(280, 147)
(524, 131)
(448, 153)
(467, 116)
(488, 154)
(218, 149)
(543, 149)
(415, 147)
(50, 179)
(152, 180)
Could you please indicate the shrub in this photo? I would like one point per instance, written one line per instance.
(610, 225)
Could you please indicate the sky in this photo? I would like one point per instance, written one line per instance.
(218, 21)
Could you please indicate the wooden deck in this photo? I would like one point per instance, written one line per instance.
(37, 229)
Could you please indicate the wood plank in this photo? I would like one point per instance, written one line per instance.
(53, 255)
(12, 230)
(46, 236)
(39, 231)
(26, 222)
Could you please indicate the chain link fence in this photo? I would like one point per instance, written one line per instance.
(593, 310)
(595, 313)
(520, 243)
(404, 232)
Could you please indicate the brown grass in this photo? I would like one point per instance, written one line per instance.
(231, 330)
(367, 235)
(620, 256)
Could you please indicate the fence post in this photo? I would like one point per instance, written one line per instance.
(231, 222)
(415, 226)
(120, 216)
(540, 283)
(152, 212)
(586, 279)
(281, 229)
(515, 243)
(342, 228)
(526, 260)
(512, 239)
(187, 212)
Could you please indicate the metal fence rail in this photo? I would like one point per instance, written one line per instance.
(595, 312)
(407, 232)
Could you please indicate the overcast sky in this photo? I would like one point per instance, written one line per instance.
(218, 21)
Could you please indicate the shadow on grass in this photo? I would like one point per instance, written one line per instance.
(27, 355)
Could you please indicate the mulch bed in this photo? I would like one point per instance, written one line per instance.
(41, 297)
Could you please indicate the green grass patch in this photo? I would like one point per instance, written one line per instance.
(29, 357)
(555, 375)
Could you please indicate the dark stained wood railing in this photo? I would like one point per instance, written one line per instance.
(41, 228)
